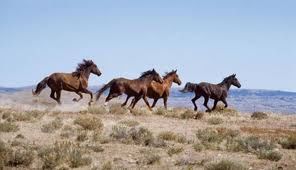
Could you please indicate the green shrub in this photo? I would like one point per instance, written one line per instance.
(270, 155)
(175, 150)
(289, 143)
(8, 127)
(259, 115)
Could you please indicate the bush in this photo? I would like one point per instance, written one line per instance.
(224, 165)
(52, 126)
(199, 115)
(82, 136)
(289, 143)
(149, 157)
(63, 152)
(188, 114)
(259, 115)
(117, 109)
(20, 157)
(198, 147)
(171, 136)
(220, 109)
(129, 123)
(215, 121)
(96, 110)
(175, 150)
(107, 166)
(88, 122)
(270, 155)
(8, 127)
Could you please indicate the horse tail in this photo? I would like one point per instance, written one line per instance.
(104, 88)
(40, 86)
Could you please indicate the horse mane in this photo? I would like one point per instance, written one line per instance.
(147, 73)
(82, 67)
(226, 79)
(168, 74)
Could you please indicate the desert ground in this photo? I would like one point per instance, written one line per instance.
(36, 133)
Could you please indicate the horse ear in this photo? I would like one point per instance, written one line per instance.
(234, 75)
(153, 70)
(175, 71)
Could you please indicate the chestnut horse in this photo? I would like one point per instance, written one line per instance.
(217, 92)
(137, 87)
(161, 90)
(74, 82)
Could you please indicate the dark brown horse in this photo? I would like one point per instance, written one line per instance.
(217, 92)
(74, 82)
(161, 90)
(133, 88)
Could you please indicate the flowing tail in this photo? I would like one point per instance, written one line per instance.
(40, 87)
(104, 88)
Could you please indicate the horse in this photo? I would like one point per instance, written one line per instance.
(137, 88)
(161, 90)
(76, 81)
(217, 92)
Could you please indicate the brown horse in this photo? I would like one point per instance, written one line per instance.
(161, 90)
(137, 87)
(74, 82)
(217, 92)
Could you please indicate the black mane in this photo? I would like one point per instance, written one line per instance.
(148, 73)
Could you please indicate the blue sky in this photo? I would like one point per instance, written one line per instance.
(204, 40)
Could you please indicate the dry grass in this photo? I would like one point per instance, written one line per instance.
(64, 152)
(149, 157)
(97, 110)
(290, 142)
(19, 157)
(89, 122)
(138, 136)
(270, 155)
(107, 166)
(220, 109)
(259, 115)
(117, 109)
(171, 136)
(215, 120)
(224, 165)
(175, 150)
(82, 136)
(129, 123)
(8, 127)
(52, 126)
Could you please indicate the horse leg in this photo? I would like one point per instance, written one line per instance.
(165, 100)
(58, 99)
(206, 104)
(154, 103)
(111, 96)
(80, 95)
(91, 95)
(127, 98)
(215, 104)
(137, 98)
(225, 102)
(194, 100)
(133, 101)
(52, 95)
(146, 101)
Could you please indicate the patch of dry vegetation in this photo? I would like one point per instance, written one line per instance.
(215, 120)
(64, 152)
(149, 157)
(8, 127)
(290, 142)
(97, 110)
(171, 136)
(26, 116)
(117, 109)
(259, 115)
(89, 122)
(224, 165)
(129, 123)
(175, 150)
(52, 126)
(220, 109)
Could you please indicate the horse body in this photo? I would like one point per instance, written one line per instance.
(158, 90)
(132, 88)
(217, 92)
(74, 82)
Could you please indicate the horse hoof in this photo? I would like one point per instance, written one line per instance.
(209, 111)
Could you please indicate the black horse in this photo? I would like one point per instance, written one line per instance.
(217, 92)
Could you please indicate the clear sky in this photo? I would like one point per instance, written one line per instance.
(205, 40)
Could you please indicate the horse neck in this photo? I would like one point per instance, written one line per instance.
(169, 81)
(147, 79)
(86, 73)
(226, 85)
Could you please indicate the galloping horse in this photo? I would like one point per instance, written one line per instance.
(137, 87)
(218, 92)
(74, 82)
(161, 90)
